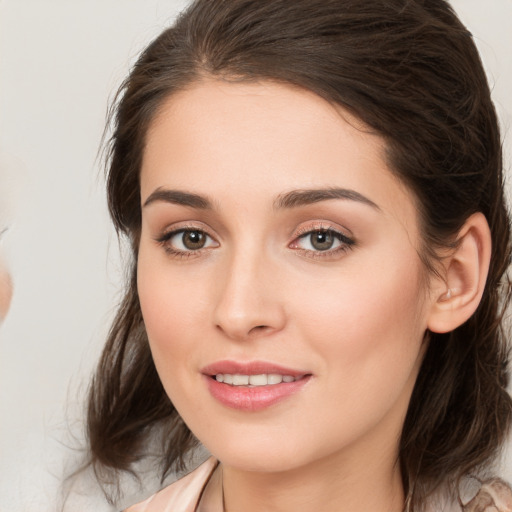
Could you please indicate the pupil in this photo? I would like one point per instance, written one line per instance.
(322, 240)
(193, 240)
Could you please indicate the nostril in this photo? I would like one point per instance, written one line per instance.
(258, 328)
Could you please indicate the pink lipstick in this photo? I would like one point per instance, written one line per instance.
(252, 386)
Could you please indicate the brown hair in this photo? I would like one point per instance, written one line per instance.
(410, 70)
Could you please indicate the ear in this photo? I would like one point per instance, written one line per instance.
(456, 296)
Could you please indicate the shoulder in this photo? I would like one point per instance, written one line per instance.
(494, 495)
(182, 495)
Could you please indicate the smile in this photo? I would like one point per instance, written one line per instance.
(252, 386)
(263, 379)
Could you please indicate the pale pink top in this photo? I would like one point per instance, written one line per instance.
(201, 491)
(188, 494)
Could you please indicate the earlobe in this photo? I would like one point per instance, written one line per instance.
(456, 298)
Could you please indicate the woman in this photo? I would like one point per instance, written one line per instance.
(313, 194)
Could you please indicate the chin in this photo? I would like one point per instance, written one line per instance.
(262, 455)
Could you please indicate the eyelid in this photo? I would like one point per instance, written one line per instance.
(184, 226)
(322, 225)
(167, 234)
(171, 234)
(347, 241)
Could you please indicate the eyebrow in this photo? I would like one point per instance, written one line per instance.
(292, 199)
(305, 197)
(179, 197)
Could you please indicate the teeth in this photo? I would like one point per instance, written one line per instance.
(258, 380)
(240, 380)
(253, 380)
(274, 378)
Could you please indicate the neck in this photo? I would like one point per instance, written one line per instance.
(325, 485)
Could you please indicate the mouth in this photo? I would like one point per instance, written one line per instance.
(262, 379)
(252, 386)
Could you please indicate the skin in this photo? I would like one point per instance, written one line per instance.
(5, 291)
(354, 317)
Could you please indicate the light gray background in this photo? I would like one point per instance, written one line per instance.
(60, 61)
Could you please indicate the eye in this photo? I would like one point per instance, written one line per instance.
(319, 241)
(322, 240)
(187, 240)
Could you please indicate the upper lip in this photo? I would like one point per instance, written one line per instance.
(250, 368)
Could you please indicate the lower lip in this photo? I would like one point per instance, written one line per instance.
(253, 398)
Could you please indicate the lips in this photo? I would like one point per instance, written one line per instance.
(252, 386)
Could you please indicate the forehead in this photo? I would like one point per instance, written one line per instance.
(265, 109)
(224, 139)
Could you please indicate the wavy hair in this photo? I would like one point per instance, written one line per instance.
(410, 70)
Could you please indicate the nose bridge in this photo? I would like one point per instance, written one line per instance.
(248, 303)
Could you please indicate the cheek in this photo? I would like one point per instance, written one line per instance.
(164, 309)
(366, 336)
(368, 322)
(172, 312)
(165, 301)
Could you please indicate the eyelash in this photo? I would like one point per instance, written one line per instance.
(346, 243)
(165, 238)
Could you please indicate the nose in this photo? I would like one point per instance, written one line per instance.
(249, 304)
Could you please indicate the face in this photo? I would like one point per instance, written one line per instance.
(279, 277)
(5, 290)
(5, 287)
